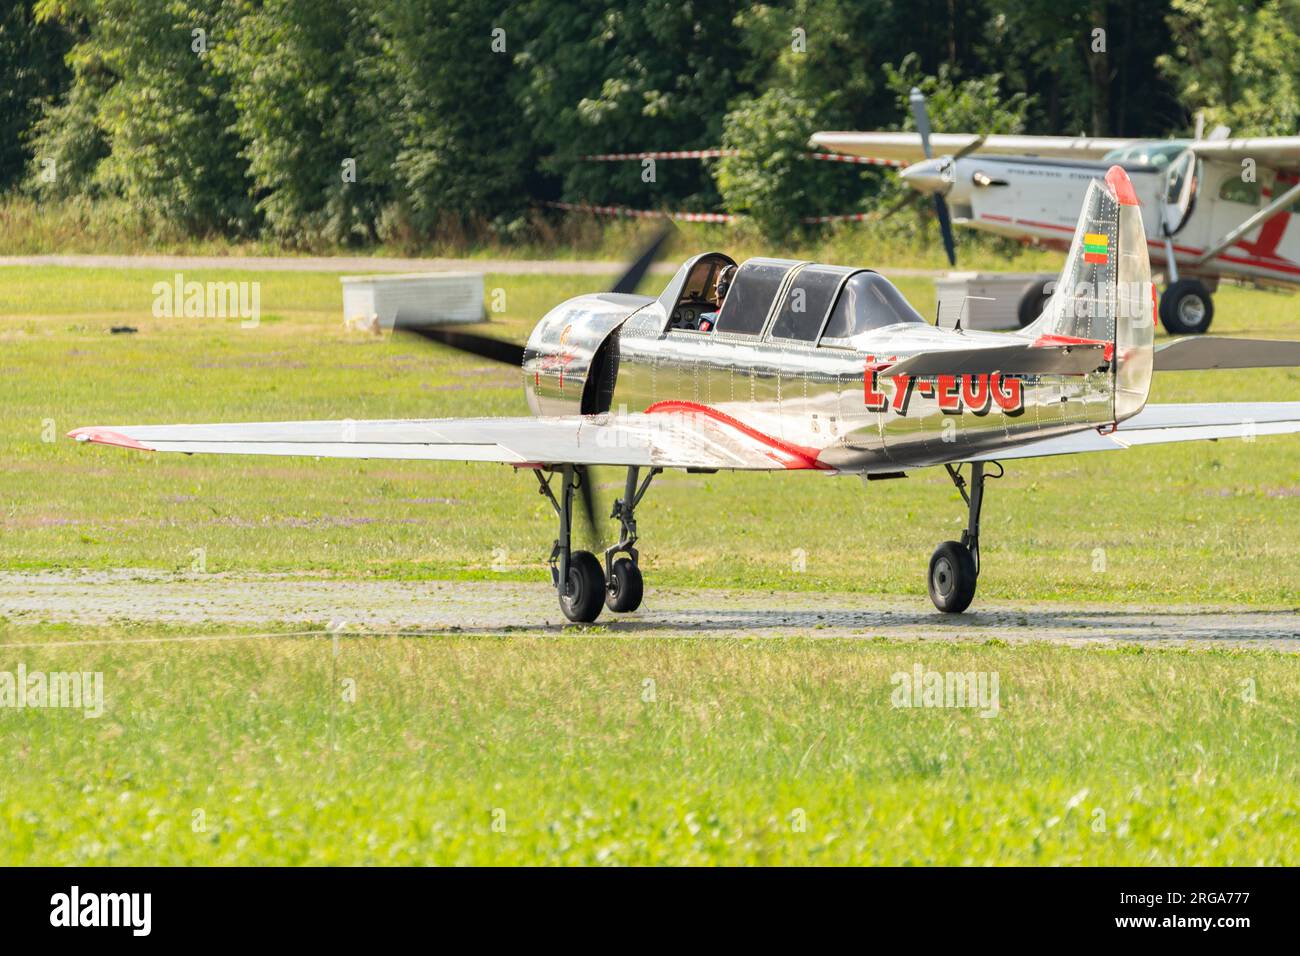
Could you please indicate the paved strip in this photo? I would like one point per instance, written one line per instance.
(485, 607)
(362, 264)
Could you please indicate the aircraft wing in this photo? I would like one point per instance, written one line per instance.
(1272, 152)
(670, 438)
(1159, 424)
(906, 147)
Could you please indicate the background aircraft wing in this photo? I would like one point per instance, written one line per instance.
(1273, 152)
(669, 438)
(1158, 424)
(905, 147)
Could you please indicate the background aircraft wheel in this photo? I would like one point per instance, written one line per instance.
(625, 587)
(952, 577)
(1186, 307)
(1033, 301)
(586, 588)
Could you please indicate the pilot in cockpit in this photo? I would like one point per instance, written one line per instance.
(721, 286)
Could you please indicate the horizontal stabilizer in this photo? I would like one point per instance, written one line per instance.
(1161, 424)
(1206, 352)
(1073, 359)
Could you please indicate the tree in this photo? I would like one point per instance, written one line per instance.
(147, 115)
(312, 109)
(1236, 60)
(32, 72)
(461, 151)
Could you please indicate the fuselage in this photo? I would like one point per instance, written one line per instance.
(817, 401)
(1035, 197)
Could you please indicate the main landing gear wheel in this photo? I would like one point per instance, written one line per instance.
(952, 577)
(1186, 307)
(580, 581)
(625, 587)
(585, 588)
(955, 565)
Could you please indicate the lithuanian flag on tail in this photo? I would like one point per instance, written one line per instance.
(1096, 248)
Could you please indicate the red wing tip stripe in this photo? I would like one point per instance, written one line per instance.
(102, 436)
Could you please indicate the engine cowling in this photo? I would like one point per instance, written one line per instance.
(571, 360)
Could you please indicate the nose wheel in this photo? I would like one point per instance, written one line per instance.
(580, 580)
(955, 565)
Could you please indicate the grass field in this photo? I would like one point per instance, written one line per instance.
(586, 747)
(598, 750)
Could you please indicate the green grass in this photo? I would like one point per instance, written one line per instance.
(1096, 756)
(1196, 522)
(78, 226)
(597, 750)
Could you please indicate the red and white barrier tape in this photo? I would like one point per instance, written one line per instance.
(643, 213)
(691, 216)
(716, 153)
(669, 154)
(864, 160)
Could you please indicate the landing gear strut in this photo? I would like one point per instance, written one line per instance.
(623, 583)
(955, 565)
(582, 583)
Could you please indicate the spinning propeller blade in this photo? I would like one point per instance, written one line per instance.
(509, 353)
(587, 494)
(637, 269)
(498, 350)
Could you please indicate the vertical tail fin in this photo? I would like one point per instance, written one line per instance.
(1105, 293)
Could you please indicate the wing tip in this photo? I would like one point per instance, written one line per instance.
(106, 436)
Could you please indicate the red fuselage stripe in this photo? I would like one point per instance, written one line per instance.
(803, 457)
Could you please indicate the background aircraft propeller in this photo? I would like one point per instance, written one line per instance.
(921, 116)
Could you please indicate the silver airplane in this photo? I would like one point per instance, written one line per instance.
(801, 366)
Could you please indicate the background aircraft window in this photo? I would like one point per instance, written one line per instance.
(807, 300)
(756, 284)
(1234, 190)
(868, 301)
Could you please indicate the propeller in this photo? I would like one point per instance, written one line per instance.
(921, 116)
(511, 353)
(484, 346)
(637, 269)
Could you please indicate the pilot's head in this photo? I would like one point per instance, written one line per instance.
(722, 284)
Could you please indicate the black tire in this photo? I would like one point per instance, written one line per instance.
(625, 587)
(952, 577)
(1032, 301)
(1186, 307)
(586, 592)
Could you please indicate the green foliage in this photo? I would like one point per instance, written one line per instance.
(771, 180)
(144, 80)
(656, 75)
(1237, 62)
(461, 153)
(305, 93)
(461, 115)
(31, 72)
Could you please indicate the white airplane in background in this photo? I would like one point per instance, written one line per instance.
(1211, 207)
